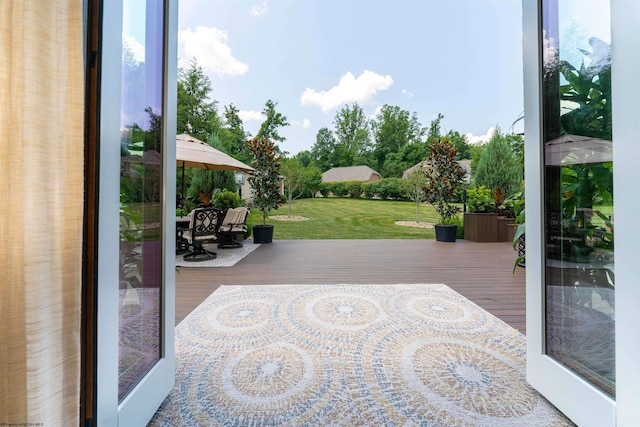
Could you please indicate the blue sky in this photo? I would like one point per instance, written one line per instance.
(461, 58)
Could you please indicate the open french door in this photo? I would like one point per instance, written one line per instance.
(134, 313)
(581, 142)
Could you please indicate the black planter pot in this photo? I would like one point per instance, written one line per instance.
(262, 233)
(446, 232)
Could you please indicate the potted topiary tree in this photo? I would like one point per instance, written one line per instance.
(444, 176)
(265, 183)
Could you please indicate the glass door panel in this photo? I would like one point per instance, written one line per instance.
(141, 233)
(578, 189)
(136, 276)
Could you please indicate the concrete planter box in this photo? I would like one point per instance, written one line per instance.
(481, 227)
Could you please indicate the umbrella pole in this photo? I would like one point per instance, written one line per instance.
(182, 197)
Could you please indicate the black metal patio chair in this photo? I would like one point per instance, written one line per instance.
(203, 228)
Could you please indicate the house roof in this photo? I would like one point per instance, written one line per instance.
(349, 173)
(465, 164)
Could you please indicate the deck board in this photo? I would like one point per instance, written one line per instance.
(482, 272)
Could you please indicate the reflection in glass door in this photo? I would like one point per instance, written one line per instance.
(135, 283)
(140, 192)
(578, 187)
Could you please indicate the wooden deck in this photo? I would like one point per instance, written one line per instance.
(479, 271)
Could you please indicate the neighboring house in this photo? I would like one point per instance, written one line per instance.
(465, 164)
(351, 173)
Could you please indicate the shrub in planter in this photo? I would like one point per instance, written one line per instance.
(508, 206)
(481, 220)
(480, 200)
(226, 199)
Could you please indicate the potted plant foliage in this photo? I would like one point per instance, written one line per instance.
(444, 176)
(519, 242)
(265, 183)
(507, 212)
(481, 220)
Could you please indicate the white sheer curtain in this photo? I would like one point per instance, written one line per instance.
(41, 204)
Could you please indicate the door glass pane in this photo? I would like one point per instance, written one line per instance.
(140, 192)
(578, 173)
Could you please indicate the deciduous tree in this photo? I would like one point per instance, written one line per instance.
(414, 186)
(352, 134)
(323, 151)
(294, 176)
(272, 122)
(393, 129)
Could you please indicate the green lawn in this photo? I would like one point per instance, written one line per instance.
(336, 218)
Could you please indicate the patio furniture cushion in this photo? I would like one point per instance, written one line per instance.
(233, 226)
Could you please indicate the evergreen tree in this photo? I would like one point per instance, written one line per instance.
(235, 137)
(498, 167)
(196, 113)
(434, 128)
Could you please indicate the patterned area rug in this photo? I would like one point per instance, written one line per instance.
(349, 355)
(225, 258)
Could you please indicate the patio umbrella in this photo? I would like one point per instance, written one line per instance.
(193, 153)
(576, 149)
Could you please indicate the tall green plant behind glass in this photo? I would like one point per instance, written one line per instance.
(585, 102)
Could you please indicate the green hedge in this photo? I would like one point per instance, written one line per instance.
(386, 188)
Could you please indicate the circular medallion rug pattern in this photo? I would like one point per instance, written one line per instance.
(349, 355)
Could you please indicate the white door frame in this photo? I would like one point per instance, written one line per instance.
(140, 404)
(579, 400)
(625, 17)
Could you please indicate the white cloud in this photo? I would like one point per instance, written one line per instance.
(250, 116)
(349, 89)
(136, 48)
(407, 93)
(479, 140)
(375, 112)
(259, 8)
(303, 124)
(209, 46)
